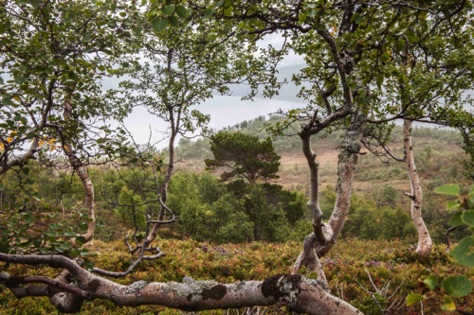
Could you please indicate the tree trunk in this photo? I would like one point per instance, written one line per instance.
(89, 197)
(175, 127)
(348, 157)
(322, 232)
(81, 170)
(347, 162)
(295, 291)
(425, 243)
(163, 191)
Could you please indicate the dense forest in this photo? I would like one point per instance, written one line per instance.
(357, 201)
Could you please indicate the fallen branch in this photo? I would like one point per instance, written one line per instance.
(295, 291)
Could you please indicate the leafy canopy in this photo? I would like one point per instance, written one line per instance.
(243, 156)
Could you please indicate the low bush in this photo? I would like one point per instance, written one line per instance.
(356, 269)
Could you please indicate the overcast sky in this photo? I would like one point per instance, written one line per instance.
(223, 110)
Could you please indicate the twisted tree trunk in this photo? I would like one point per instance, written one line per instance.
(348, 157)
(347, 162)
(88, 202)
(425, 243)
(81, 171)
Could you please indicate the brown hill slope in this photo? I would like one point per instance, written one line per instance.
(439, 159)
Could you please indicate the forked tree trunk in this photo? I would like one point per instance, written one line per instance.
(163, 191)
(425, 243)
(348, 157)
(175, 122)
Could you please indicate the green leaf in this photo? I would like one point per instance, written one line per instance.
(168, 10)
(448, 304)
(228, 11)
(470, 199)
(88, 264)
(457, 286)
(431, 282)
(448, 190)
(54, 226)
(87, 39)
(25, 170)
(464, 253)
(74, 253)
(468, 217)
(456, 219)
(159, 24)
(35, 3)
(7, 100)
(356, 17)
(80, 240)
(51, 233)
(453, 205)
(414, 298)
(209, 12)
(2, 186)
(173, 20)
(20, 80)
(379, 80)
(182, 11)
(29, 218)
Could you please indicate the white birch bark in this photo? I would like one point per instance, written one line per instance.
(425, 243)
(298, 292)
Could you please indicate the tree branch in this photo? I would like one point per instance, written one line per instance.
(298, 292)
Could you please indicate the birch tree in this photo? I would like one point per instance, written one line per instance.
(53, 55)
(347, 47)
(179, 69)
(435, 72)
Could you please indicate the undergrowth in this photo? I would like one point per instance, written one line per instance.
(374, 276)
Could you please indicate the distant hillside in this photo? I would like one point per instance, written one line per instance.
(438, 155)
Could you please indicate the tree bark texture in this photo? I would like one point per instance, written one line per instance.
(67, 291)
(81, 170)
(322, 232)
(89, 197)
(163, 190)
(425, 243)
(348, 157)
(347, 161)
